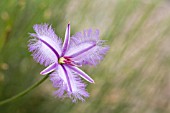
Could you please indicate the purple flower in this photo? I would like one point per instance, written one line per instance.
(64, 59)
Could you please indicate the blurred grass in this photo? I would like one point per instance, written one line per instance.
(133, 77)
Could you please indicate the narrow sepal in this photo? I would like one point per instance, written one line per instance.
(81, 73)
(49, 69)
(66, 40)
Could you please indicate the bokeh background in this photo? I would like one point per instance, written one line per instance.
(134, 77)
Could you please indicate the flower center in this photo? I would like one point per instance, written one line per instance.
(61, 60)
(65, 60)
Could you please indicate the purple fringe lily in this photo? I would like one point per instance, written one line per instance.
(63, 60)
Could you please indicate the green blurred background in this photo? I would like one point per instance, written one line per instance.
(134, 77)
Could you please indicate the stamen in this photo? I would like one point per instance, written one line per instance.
(66, 60)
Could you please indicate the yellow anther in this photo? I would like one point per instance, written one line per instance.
(61, 60)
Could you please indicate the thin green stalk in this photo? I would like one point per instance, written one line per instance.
(24, 92)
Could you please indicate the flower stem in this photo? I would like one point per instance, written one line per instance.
(24, 92)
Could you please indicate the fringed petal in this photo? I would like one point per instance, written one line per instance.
(86, 48)
(58, 83)
(45, 46)
(72, 87)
